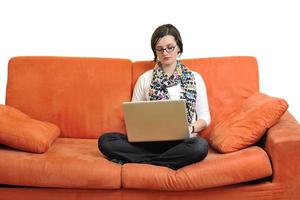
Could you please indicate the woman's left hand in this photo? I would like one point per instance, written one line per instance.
(199, 125)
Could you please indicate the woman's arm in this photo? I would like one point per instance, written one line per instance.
(141, 86)
(202, 107)
(198, 126)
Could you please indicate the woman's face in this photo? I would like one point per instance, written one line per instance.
(167, 50)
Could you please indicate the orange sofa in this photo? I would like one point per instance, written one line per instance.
(83, 97)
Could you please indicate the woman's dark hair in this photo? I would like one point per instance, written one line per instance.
(163, 30)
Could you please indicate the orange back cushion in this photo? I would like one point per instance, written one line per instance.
(83, 96)
(227, 79)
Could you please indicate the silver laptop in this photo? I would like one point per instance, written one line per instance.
(163, 120)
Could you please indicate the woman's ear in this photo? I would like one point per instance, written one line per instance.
(179, 51)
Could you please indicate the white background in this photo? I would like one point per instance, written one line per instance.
(266, 29)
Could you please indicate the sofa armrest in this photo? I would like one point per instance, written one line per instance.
(283, 147)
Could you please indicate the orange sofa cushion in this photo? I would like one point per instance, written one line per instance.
(69, 163)
(215, 170)
(247, 123)
(83, 96)
(19, 131)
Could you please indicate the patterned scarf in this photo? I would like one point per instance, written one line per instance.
(161, 81)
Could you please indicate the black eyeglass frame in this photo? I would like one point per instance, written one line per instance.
(169, 49)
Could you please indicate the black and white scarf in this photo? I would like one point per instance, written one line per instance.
(183, 76)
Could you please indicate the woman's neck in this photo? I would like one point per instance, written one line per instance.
(169, 69)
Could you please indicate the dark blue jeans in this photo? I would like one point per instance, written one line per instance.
(172, 154)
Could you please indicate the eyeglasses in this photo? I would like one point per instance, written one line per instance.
(169, 49)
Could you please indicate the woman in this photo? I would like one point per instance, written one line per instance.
(169, 79)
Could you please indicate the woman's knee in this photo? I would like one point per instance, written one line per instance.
(102, 140)
(199, 148)
(105, 142)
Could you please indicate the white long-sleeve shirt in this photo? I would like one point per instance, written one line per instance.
(142, 86)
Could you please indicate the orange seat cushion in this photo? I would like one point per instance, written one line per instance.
(19, 131)
(215, 170)
(247, 123)
(69, 163)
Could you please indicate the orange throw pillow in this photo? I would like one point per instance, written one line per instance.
(18, 130)
(247, 123)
